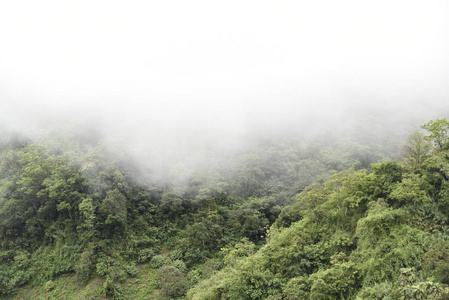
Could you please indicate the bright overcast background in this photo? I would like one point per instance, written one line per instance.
(219, 64)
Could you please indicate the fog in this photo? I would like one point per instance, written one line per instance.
(171, 78)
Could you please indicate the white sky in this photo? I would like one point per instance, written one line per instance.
(218, 60)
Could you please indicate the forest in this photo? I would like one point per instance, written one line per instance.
(224, 150)
(284, 219)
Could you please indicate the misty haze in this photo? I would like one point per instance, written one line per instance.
(224, 149)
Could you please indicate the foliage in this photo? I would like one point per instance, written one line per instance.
(171, 282)
(361, 235)
(287, 220)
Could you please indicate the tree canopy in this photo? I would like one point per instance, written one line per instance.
(303, 220)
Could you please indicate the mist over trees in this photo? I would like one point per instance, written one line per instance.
(285, 218)
(224, 149)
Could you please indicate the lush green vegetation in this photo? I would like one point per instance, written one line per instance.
(283, 220)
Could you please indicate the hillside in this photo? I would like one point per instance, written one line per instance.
(284, 219)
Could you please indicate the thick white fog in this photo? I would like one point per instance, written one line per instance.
(174, 76)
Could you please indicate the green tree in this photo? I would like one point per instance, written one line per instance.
(171, 281)
(113, 208)
(416, 150)
(438, 130)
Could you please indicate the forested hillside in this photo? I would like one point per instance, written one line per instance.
(283, 219)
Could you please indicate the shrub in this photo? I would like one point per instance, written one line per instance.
(49, 285)
(180, 265)
(171, 282)
(131, 270)
(145, 255)
(112, 290)
(158, 261)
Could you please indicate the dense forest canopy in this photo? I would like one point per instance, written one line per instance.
(224, 149)
(288, 219)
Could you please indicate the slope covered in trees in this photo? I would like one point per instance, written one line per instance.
(284, 220)
(362, 235)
